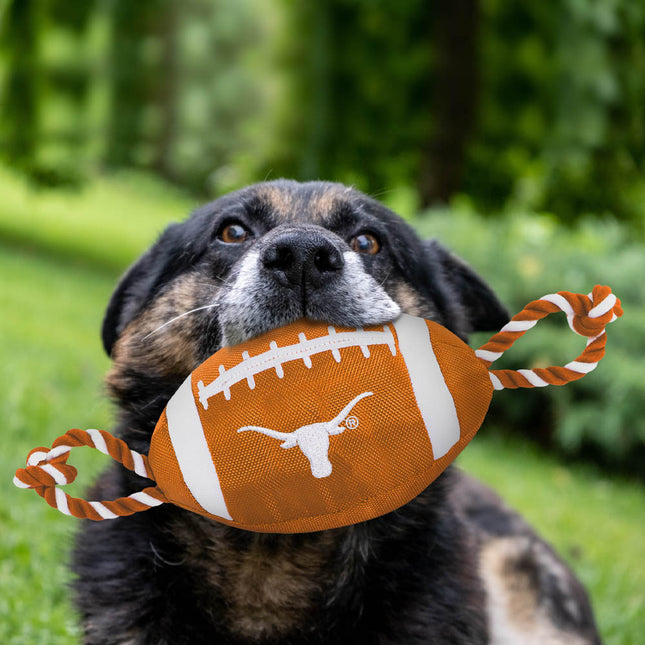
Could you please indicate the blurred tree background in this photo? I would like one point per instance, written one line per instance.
(447, 109)
(474, 106)
(527, 105)
(512, 131)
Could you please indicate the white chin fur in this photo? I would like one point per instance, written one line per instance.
(365, 294)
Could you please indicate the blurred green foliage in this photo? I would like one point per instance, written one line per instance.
(51, 374)
(106, 224)
(357, 102)
(521, 106)
(561, 124)
(525, 256)
(514, 108)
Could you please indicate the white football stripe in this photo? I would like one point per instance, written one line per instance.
(192, 452)
(433, 397)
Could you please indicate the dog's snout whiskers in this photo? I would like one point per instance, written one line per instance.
(172, 320)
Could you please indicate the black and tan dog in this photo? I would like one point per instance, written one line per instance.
(452, 566)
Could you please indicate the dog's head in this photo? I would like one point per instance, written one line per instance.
(265, 256)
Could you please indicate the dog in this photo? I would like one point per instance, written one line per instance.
(454, 565)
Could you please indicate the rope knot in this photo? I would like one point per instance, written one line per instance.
(587, 315)
(594, 312)
(45, 469)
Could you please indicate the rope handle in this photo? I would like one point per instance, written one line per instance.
(587, 315)
(48, 468)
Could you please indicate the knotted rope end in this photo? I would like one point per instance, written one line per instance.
(587, 315)
(47, 468)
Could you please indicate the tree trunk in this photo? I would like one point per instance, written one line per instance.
(129, 82)
(19, 108)
(455, 90)
(167, 92)
(319, 13)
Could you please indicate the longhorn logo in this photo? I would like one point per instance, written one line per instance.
(313, 439)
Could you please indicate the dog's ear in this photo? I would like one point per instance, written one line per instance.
(483, 310)
(140, 282)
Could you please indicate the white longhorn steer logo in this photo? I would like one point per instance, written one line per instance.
(313, 439)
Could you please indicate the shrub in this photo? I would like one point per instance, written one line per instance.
(525, 256)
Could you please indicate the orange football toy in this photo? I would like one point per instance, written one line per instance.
(311, 427)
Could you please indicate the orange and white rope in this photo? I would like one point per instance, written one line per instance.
(48, 468)
(587, 316)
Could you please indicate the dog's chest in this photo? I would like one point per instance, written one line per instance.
(267, 586)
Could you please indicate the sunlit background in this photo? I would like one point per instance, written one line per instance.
(512, 131)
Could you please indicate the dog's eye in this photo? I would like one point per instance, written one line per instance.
(233, 233)
(365, 243)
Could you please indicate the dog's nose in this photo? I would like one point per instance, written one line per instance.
(302, 257)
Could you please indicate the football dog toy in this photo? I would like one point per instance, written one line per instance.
(311, 427)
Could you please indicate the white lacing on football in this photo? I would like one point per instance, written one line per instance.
(275, 357)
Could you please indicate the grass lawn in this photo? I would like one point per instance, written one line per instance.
(105, 224)
(52, 369)
(595, 522)
(51, 373)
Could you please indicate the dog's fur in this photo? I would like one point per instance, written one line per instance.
(452, 566)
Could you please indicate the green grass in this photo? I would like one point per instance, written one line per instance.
(596, 523)
(51, 374)
(52, 368)
(106, 224)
